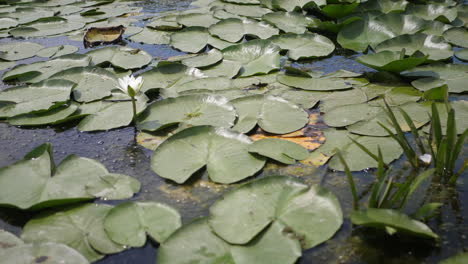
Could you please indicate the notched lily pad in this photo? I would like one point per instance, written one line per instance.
(392, 61)
(234, 29)
(304, 46)
(44, 253)
(19, 50)
(120, 57)
(284, 151)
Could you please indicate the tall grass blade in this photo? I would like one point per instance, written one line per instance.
(436, 126)
(350, 180)
(451, 135)
(414, 131)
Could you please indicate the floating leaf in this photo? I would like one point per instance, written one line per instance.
(291, 5)
(193, 110)
(339, 10)
(274, 246)
(273, 114)
(195, 39)
(370, 30)
(290, 22)
(80, 227)
(46, 26)
(311, 213)
(168, 22)
(280, 150)
(439, 74)
(57, 51)
(224, 152)
(252, 11)
(304, 46)
(95, 36)
(6, 22)
(314, 84)
(462, 54)
(304, 98)
(204, 60)
(196, 20)
(46, 253)
(8, 240)
(37, 97)
(382, 218)
(152, 36)
(42, 70)
(225, 68)
(19, 50)
(433, 12)
(457, 36)
(168, 74)
(234, 29)
(52, 116)
(128, 223)
(114, 113)
(434, 47)
(6, 64)
(120, 57)
(256, 56)
(29, 183)
(392, 61)
(384, 6)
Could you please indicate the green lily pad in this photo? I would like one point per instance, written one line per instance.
(273, 114)
(46, 26)
(461, 113)
(371, 30)
(29, 14)
(128, 223)
(224, 152)
(92, 83)
(436, 75)
(120, 57)
(7, 22)
(433, 12)
(274, 246)
(57, 51)
(53, 116)
(113, 113)
(329, 101)
(152, 36)
(284, 151)
(290, 22)
(394, 94)
(462, 54)
(358, 160)
(384, 6)
(234, 29)
(314, 84)
(29, 183)
(36, 97)
(257, 56)
(225, 68)
(46, 253)
(197, 20)
(458, 259)
(457, 36)
(346, 115)
(382, 218)
(195, 39)
(19, 50)
(291, 5)
(210, 83)
(304, 46)
(392, 61)
(167, 74)
(6, 64)
(80, 227)
(42, 70)
(8, 240)
(193, 110)
(312, 213)
(251, 11)
(434, 47)
(204, 60)
(168, 22)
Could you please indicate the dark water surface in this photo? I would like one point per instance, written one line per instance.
(118, 152)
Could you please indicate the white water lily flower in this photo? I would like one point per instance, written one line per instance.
(426, 158)
(130, 85)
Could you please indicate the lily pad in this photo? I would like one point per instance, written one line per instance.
(433, 12)
(7, 22)
(371, 31)
(195, 39)
(193, 110)
(273, 114)
(384, 6)
(29, 183)
(436, 75)
(8, 240)
(308, 82)
(204, 60)
(46, 26)
(115, 112)
(6, 64)
(19, 50)
(304, 46)
(256, 56)
(462, 54)
(280, 150)
(382, 218)
(291, 5)
(434, 47)
(46, 253)
(36, 97)
(168, 22)
(251, 11)
(152, 36)
(196, 20)
(57, 51)
(312, 213)
(80, 227)
(291, 22)
(224, 152)
(457, 36)
(53, 116)
(392, 61)
(121, 57)
(234, 29)
(168, 74)
(42, 70)
(274, 246)
(128, 223)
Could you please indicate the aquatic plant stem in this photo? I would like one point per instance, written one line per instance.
(134, 109)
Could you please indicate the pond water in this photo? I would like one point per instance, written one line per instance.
(117, 150)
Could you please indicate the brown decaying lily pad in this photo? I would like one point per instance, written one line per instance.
(103, 36)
